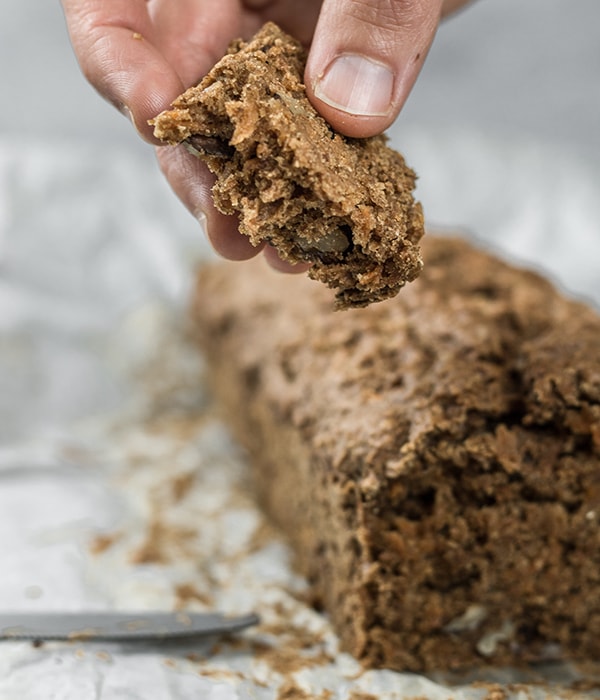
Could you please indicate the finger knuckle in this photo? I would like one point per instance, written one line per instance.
(390, 15)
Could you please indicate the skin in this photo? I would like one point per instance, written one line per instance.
(141, 54)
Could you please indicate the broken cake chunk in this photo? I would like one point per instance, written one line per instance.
(344, 205)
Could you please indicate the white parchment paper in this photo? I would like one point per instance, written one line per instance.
(119, 489)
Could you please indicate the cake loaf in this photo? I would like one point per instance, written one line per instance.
(344, 205)
(434, 459)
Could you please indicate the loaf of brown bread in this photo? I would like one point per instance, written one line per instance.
(345, 205)
(434, 459)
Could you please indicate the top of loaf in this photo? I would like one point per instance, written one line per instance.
(472, 345)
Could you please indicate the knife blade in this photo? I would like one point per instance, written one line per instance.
(118, 626)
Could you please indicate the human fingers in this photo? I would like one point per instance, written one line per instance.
(450, 6)
(114, 44)
(272, 257)
(191, 181)
(295, 18)
(194, 34)
(365, 58)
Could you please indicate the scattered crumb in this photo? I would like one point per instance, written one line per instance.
(496, 693)
(186, 593)
(263, 534)
(181, 485)
(290, 691)
(163, 543)
(296, 636)
(287, 660)
(294, 649)
(220, 673)
(104, 541)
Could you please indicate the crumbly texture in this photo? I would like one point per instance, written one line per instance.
(344, 205)
(434, 459)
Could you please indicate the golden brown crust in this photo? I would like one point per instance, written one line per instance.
(344, 205)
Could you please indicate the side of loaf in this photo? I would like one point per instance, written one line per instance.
(434, 459)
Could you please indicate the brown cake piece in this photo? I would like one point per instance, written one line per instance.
(344, 205)
(434, 459)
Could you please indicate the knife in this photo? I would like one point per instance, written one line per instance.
(118, 626)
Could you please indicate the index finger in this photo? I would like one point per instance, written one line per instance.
(113, 42)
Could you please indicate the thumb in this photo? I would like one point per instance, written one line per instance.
(364, 59)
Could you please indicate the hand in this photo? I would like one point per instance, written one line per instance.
(141, 54)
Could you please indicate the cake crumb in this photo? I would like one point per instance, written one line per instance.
(496, 692)
(162, 543)
(104, 541)
(186, 593)
(289, 690)
(181, 486)
(286, 660)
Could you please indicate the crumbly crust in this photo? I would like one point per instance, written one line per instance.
(344, 205)
(434, 459)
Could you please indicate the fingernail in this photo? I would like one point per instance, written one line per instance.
(200, 217)
(357, 85)
(124, 109)
(126, 112)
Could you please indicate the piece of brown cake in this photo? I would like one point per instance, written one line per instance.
(434, 459)
(344, 205)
